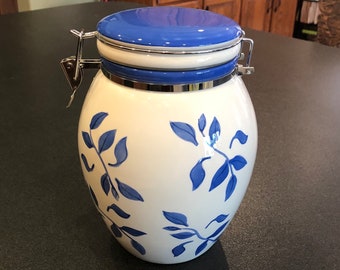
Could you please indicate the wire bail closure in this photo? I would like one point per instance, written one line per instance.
(73, 66)
(246, 69)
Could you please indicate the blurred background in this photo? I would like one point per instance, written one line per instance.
(312, 20)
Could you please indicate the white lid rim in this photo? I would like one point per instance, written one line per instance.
(170, 50)
(158, 61)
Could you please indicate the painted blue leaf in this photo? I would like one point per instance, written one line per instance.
(106, 140)
(183, 235)
(201, 247)
(118, 211)
(132, 231)
(219, 230)
(87, 139)
(230, 187)
(197, 174)
(240, 136)
(202, 122)
(97, 119)
(105, 183)
(120, 152)
(115, 230)
(128, 192)
(86, 164)
(218, 219)
(93, 196)
(214, 130)
(184, 131)
(221, 218)
(114, 191)
(176, 218)
(138, 247)
(178, 250)
(171, 228)
(220, 175)
(238, 162)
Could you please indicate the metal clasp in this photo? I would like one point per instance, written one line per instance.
(73, 66)
(246, 69)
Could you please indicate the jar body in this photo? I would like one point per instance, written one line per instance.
(167, 171)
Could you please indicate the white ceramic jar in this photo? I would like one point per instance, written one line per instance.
(167, 134)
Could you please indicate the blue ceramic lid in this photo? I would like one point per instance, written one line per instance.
(169, 27)
(170, 77)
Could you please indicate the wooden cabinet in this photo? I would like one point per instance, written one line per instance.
(255, 14)
(179, 3)
(276, 16)
(283, 17)
(7, 7)
(229, 8)
(192, 4)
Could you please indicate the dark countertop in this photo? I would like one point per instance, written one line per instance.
(289, 218)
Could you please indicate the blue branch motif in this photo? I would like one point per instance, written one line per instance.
(227, 170)
(181, 230)
(116, 188)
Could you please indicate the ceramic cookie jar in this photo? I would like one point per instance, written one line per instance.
(167, 133)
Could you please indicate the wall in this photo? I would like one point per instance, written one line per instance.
(25, 5)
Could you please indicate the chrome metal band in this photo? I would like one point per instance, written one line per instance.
(167, 88)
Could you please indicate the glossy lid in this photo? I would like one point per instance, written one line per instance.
(169, 27)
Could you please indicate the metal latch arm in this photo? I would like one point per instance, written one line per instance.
(73, 66)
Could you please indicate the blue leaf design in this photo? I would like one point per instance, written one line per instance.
(184, 131)
(87, 139)
(132, 231)
(115, 230)
(128, 192)
(97, 119)
(214, 130)
(221, 218)
(114, 191)
(86, 164)
(178, 250)
(201, 247)
(219, 230)
(220, 175)
(93, 196)
(240, 136)
(202, 122)
(105, 183)
(218, 219)
(183, 235)
(197, 173)
(171, 228)
(106, 140)
(120, 152)
(176, 218)
(230, 187)
(238, 162)
(138, 247)
(118, 211)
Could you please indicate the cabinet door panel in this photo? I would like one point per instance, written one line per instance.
(191, 4)
(229, 8)
(283, 17)
(256, 14)
(7, 7)
(144, 2)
